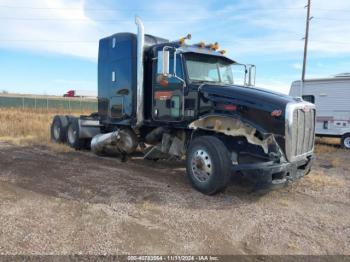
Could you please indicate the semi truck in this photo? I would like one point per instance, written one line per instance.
(80, 93)
(172, 100)
(331, 98)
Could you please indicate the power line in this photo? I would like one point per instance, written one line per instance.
(165, 9)
(99, 20)
(50, 41)
(78, 20)
(332, 19)
(332, 10)
(137, 9)
(224, 42)
(331, 42)
(87, 9)
(145, 20)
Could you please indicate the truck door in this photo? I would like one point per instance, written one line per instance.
(168, 94)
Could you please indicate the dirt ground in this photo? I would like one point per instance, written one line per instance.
(78, 203)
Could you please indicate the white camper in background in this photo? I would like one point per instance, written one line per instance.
(332, 99)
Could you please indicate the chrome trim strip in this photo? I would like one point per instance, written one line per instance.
(290, 108)
(140, 89)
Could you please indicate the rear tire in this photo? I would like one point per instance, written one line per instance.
(208, 165)
(73, 139)
(345, 141)
(59, 129)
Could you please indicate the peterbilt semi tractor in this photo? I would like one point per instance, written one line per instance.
(172, 100)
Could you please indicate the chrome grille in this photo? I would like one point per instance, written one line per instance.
(300, 130)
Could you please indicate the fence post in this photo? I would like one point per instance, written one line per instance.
(47, 103)
(35, 102)
(23, 102)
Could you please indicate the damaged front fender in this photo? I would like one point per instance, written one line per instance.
(233, 127)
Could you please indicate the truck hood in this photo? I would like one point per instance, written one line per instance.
(255, 97)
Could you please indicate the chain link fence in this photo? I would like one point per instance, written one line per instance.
(48, 102)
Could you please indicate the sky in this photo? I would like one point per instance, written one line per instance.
(51, 46)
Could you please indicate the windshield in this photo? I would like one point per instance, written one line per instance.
(209, 69)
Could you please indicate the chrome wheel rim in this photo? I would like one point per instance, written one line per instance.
(347, 142)
(56, 131)
(202, 166)
(71, 134)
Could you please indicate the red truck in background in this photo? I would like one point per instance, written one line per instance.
(80, 93)
(70, 93)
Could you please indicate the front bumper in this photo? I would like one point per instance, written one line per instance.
(270, 173)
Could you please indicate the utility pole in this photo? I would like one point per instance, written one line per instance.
(308, 18)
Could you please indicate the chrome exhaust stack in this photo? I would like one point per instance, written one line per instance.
(140, 88)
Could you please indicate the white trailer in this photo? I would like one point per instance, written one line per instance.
(332, 99)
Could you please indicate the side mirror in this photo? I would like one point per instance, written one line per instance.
(251, 75)
(163, 63)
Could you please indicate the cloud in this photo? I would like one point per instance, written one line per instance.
(76, 83)
(257, 31)
(60, 27)
(271, 30)
(297, 66)
(278, 84)
(249, 28)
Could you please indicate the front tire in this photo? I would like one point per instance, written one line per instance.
(208, 165)
(73, 138)
(345, 141)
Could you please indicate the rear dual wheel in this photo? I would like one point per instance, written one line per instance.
(73, 139)
(59, 129)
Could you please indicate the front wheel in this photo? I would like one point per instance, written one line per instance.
(345, 141)
(208, 165)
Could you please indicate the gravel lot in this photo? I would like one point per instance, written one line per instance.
(77, 203)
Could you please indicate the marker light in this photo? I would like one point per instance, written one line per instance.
(230, 107)
(227, 107)
(183, 39)
(201, 44)
(215, 46)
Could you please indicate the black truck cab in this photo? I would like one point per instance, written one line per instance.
(173, 100)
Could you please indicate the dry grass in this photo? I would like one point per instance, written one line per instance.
(323, 149)
(28, 126)
(319, 180)
(336, 162)
(328, 141)
(327, 145)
